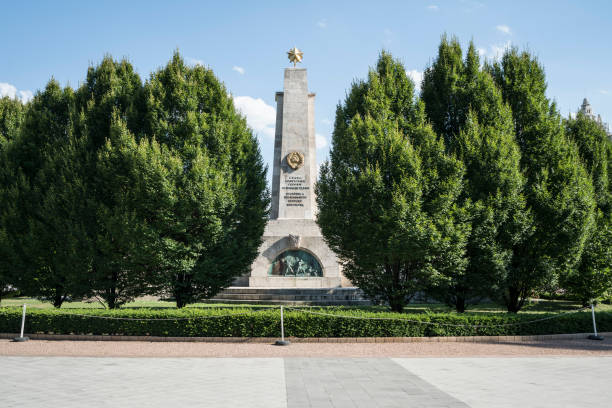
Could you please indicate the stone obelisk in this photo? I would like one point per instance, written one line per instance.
(294, 171)
(293, 253)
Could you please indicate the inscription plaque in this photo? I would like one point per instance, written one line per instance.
(295, 191)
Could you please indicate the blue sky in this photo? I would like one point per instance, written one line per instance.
(245, 43)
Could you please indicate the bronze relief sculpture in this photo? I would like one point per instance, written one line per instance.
(295, 160)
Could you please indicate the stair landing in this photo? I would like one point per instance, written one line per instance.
(292, 296)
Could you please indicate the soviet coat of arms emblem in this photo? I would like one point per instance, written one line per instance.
(295, 160)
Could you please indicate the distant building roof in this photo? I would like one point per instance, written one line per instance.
(587, 110)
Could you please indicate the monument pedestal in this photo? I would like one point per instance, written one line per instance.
(279, 237)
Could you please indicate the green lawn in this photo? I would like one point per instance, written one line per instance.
(533, 307)
(138, 304)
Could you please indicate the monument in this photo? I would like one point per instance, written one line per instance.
(293, 253)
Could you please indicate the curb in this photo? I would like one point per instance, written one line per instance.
(269, 340)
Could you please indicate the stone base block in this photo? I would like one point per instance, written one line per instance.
(294, 282)
(306, 236)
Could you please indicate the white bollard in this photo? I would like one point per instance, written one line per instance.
(283, 326)
(594, 336)
(23, 315)
(282, 341)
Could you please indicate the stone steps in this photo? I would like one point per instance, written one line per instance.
(292, 302)
(292, 296)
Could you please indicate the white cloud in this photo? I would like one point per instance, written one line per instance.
(26, 96)
(322, 23)
(12, 92)
(320, 141)
(504, 29)
(194, 61)
(603, 92)
(433, 7)
(326, 122)
(497, 50)
(417, 78)
(260, 116)
(238, 69)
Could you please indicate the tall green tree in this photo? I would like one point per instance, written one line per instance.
(125, 264)
(592, 276)
(10, 225)
(386, 197)
(215, 229)
(594, 146)
(442, 90)
(111, 88)
(464, 105)
(558, 189)
(11, 117)
(137, 181)
(44, 198)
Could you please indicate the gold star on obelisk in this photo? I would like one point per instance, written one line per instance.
(295, 55)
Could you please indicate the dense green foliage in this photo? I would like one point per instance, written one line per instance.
(558, 188)
(465, 106)
(386, 197)
(122, 189)
(213, 231)
(591, 278)
(43, 197)
(122, 181)
(266, 323)
(494, 180)
(476, 190)
(11, 117)
(134, 184)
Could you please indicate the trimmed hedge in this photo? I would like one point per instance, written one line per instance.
(266, 323)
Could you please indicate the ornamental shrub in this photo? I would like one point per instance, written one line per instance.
(245, 322)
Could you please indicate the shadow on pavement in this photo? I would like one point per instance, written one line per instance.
(582, 344)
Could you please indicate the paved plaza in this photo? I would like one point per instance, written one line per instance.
(294, 382)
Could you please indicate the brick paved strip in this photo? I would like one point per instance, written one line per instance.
(356, 383)
(444, 339)
(580, 347)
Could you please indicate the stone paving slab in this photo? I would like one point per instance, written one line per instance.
(144, 382)
(296, 382)
(520, 382)
(358, 382)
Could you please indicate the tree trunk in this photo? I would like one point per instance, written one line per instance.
(58, 299)
(396, 303)
(513, 300)
(183, 290)
(111, 297)
(180, 302)
(460, 304)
